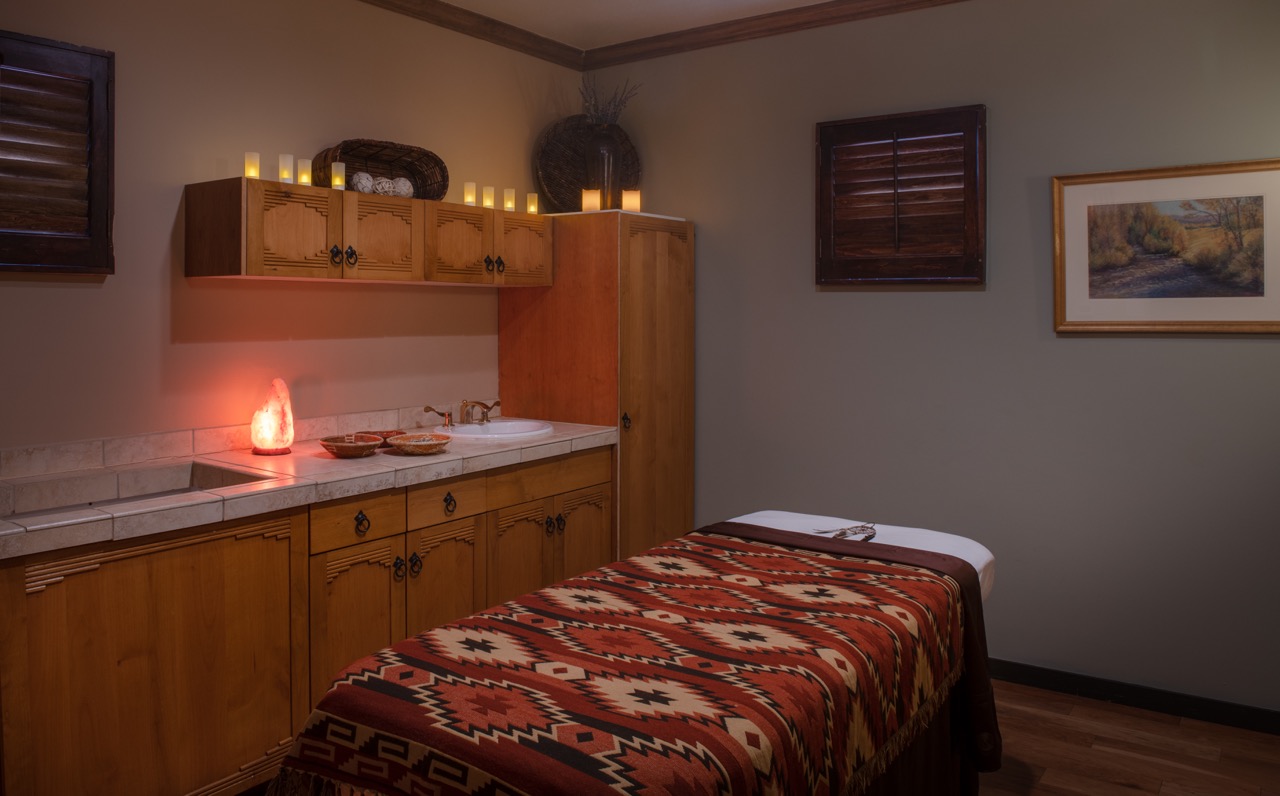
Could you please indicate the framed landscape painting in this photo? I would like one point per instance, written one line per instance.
(1190, 249)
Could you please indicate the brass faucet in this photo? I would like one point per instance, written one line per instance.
(448, 416)
(466, 414)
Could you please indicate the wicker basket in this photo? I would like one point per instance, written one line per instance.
(561, 170)
(424, 169)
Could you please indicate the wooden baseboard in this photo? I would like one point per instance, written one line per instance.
(1185, 705)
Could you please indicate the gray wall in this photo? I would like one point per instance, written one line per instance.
(1126, 484)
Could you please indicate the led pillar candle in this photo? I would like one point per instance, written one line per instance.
(486, 197)
(531, 203)
(508, 198)
(468, 193)
(286, 168)
(631, 201)
(304, 171)
(338, 176)
(590, 199)
(251, 165)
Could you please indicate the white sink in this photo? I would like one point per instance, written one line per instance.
(497, 429)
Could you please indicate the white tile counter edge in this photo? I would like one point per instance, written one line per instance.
(308, 474)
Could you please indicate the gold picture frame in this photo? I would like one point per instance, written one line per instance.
(1184, 250)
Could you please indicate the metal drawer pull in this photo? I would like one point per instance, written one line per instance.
(415, 565)
(551, 526)
(398, 568)
(450, 505)
(363, 524)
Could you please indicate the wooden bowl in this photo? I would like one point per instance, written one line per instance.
(352, 446)
(418, 444)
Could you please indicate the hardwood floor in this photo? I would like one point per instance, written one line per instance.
(1061, 744)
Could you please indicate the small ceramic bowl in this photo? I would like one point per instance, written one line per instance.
(418, 444)
(386, 435)
(352, 446)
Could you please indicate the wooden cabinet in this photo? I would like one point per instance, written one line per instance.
(388, 565)
(484, 246)
(184, 663)
(556, 521)
(357, 572)
(166, 666)
(248, 227)
(611, 343)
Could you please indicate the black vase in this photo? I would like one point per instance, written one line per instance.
(603, 161)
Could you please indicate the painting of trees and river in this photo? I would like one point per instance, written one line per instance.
(1194, 248)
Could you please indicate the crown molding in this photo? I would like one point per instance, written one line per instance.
(832, 12)
(491, 30)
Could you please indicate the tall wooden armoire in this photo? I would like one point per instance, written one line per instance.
(611, 343)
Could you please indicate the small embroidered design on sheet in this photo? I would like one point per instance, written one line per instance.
(866, 530)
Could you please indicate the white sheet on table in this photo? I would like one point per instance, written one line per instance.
(921, 539)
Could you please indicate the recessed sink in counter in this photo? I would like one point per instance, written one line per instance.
(497, 430)
(132, 482)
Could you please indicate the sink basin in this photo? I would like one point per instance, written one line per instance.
(498, 429)
(108, 485)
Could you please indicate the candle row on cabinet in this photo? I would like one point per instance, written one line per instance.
(338, 179)
(591, 200)
(286, 172)
(508, 197)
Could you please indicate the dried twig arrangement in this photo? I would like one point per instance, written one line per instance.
(601, 110)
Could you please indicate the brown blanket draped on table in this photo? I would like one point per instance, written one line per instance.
(735, 659)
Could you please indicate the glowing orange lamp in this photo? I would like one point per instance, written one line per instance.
(272, 427)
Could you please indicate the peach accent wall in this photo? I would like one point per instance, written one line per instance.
(198, 84)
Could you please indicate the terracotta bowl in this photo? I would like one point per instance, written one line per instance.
(352, 446)
(418, 444)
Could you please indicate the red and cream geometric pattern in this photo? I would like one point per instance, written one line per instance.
(710, 664)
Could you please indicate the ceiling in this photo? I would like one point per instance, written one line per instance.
(589, 34)
(588, 24)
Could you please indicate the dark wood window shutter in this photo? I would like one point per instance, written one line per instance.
(901, 198)
(56, 132)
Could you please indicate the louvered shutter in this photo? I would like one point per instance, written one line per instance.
(55, 156)
(901, 198)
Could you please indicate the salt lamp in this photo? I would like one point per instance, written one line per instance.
(272, 428)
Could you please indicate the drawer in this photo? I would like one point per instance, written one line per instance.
(548, 477)
(338, 523)
(447, 500)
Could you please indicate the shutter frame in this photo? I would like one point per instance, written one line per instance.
(901, 199)
(56, 156)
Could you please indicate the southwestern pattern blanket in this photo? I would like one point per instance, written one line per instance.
(715, 663)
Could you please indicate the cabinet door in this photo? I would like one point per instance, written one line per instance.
(357, 605)
(584, 531)
(522, 248)
(292, 230)
(384, 237)
(446, 573)
(655, 441)
(459, 239)
(520, 543)
(161, 667)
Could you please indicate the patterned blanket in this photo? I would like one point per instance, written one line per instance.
(726, 661)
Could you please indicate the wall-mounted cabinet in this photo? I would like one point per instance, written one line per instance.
(244, 227)
(482, 246)
(260, 228)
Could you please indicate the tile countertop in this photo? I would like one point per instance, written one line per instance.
(309, 474)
